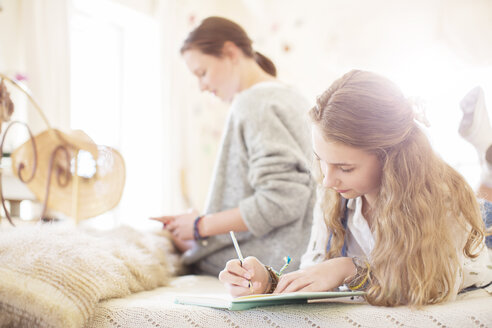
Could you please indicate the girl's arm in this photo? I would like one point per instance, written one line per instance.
(275, 141)
(320, 277)
(221, 222)
(316, 250)
(182, 226)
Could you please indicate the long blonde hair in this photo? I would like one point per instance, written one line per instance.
(421, 201)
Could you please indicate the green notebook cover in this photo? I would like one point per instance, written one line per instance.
(253, 301)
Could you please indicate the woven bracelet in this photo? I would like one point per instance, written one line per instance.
(196, 233)
(272, 279)
(361, 277)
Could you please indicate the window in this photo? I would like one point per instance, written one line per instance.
(115, 99)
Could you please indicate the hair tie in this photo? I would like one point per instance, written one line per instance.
(317, 108)
(419, 113)
(422, 119)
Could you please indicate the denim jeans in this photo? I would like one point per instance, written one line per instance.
(487, 218)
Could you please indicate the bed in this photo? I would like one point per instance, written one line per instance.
(58, 276)
(156, 309)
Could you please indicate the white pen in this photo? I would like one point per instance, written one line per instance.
(239, 255)
(236, 246)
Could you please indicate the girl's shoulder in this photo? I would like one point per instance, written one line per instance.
(265, 90)
(265, 96)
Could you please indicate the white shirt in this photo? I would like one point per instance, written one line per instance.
(360, 242)
(359, 238)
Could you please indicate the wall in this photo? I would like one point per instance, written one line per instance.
(435, 50)
(9, 55)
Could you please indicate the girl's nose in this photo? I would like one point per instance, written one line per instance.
(203, 86)
(329, 179)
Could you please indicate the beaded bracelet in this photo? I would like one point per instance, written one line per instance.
(274, 276)
(196, 233)
(272, 279)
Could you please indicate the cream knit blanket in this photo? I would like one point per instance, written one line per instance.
(52, 276)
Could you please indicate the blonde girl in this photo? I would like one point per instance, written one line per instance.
(396, 220)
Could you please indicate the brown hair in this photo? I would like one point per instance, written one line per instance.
(425, 214)
(209, 37)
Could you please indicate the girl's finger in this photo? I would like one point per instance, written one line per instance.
(235, 267)
(296, 285)
(285, 282)
(308, 288)
(171, 225)
(163, 219)
(232, 279)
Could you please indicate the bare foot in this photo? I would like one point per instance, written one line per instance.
(467, 105)
(488, 155)
(474, 111)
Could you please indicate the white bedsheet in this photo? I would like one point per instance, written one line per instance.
(156, 309)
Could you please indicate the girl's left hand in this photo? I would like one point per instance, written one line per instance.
(320, 277)
(181, 226)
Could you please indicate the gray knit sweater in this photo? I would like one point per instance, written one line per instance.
(263, 167)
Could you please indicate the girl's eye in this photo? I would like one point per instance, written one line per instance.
(346, 170)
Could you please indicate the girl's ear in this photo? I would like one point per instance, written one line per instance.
(231, 51)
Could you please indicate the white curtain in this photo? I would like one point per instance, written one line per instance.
(45, 51)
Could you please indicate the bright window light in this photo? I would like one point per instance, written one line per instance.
(439, 80)
(116, 99)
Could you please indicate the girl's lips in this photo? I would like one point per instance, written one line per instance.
(342, 191)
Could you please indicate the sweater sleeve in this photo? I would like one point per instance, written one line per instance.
(316, 250)
(278, 169)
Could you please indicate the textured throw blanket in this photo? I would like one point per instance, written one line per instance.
(54, 276)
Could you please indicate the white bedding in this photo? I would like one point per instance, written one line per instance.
(156, 309)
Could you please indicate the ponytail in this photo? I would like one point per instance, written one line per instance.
(265, 63)
(209, 37)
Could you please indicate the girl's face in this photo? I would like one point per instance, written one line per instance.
(350, 171)
(217, 75)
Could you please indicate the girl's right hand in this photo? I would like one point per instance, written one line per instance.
(237, 277)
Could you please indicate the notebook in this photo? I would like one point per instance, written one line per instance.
(252, 301)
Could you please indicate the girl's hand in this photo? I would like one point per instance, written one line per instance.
(237, 278)
(320, 277)
(180, 226)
